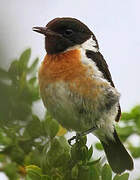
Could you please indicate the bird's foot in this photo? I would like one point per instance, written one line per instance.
(74, 138)
(79, 135)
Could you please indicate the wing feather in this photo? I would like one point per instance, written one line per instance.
(103, 67)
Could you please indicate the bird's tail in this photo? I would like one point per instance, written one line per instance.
(117, 156)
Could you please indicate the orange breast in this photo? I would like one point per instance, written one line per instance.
(64, 66)
(68, 67)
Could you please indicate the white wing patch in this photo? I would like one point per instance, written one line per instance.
(90, 44)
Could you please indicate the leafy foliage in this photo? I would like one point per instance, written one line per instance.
(35, 149)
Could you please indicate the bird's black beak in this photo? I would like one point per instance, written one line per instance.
(42, 30)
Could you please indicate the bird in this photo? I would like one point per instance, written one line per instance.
(77, 88)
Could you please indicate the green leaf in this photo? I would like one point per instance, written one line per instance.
(79, 152)
(14, 70)
(24, 59)
(99, 146)
(121, 177)
(32, 68)
(28, 177)
(93, 162)
(45, 177)
(26, 144)
(90, 152)
(50, 126)
(63, 141)
(34, 127)
(106, 172)
(83, 172)
(33, 172)
(33, 176)
(58, 154)
(34, 157)
(5, 140)
(17, 155)
(54, 153)
(22, 82)
(135, 151)
(116, 177)
(84, 152)
(34, 169)
(11, 170)
(83, 140)
(21, 110)
(74, 172)
(94, 173)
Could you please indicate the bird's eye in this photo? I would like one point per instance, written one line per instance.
(68, 32)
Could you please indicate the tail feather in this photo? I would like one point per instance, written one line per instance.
(117, 156)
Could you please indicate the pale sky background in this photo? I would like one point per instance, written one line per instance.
(115, 23)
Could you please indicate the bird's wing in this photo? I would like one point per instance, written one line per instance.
(103, 67)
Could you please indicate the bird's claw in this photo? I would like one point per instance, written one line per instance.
(77, 137)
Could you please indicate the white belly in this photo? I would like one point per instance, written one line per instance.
(78, 113)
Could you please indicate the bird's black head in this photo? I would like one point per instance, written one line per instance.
(63, 33)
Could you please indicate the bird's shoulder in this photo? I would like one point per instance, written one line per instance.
(101, 64)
